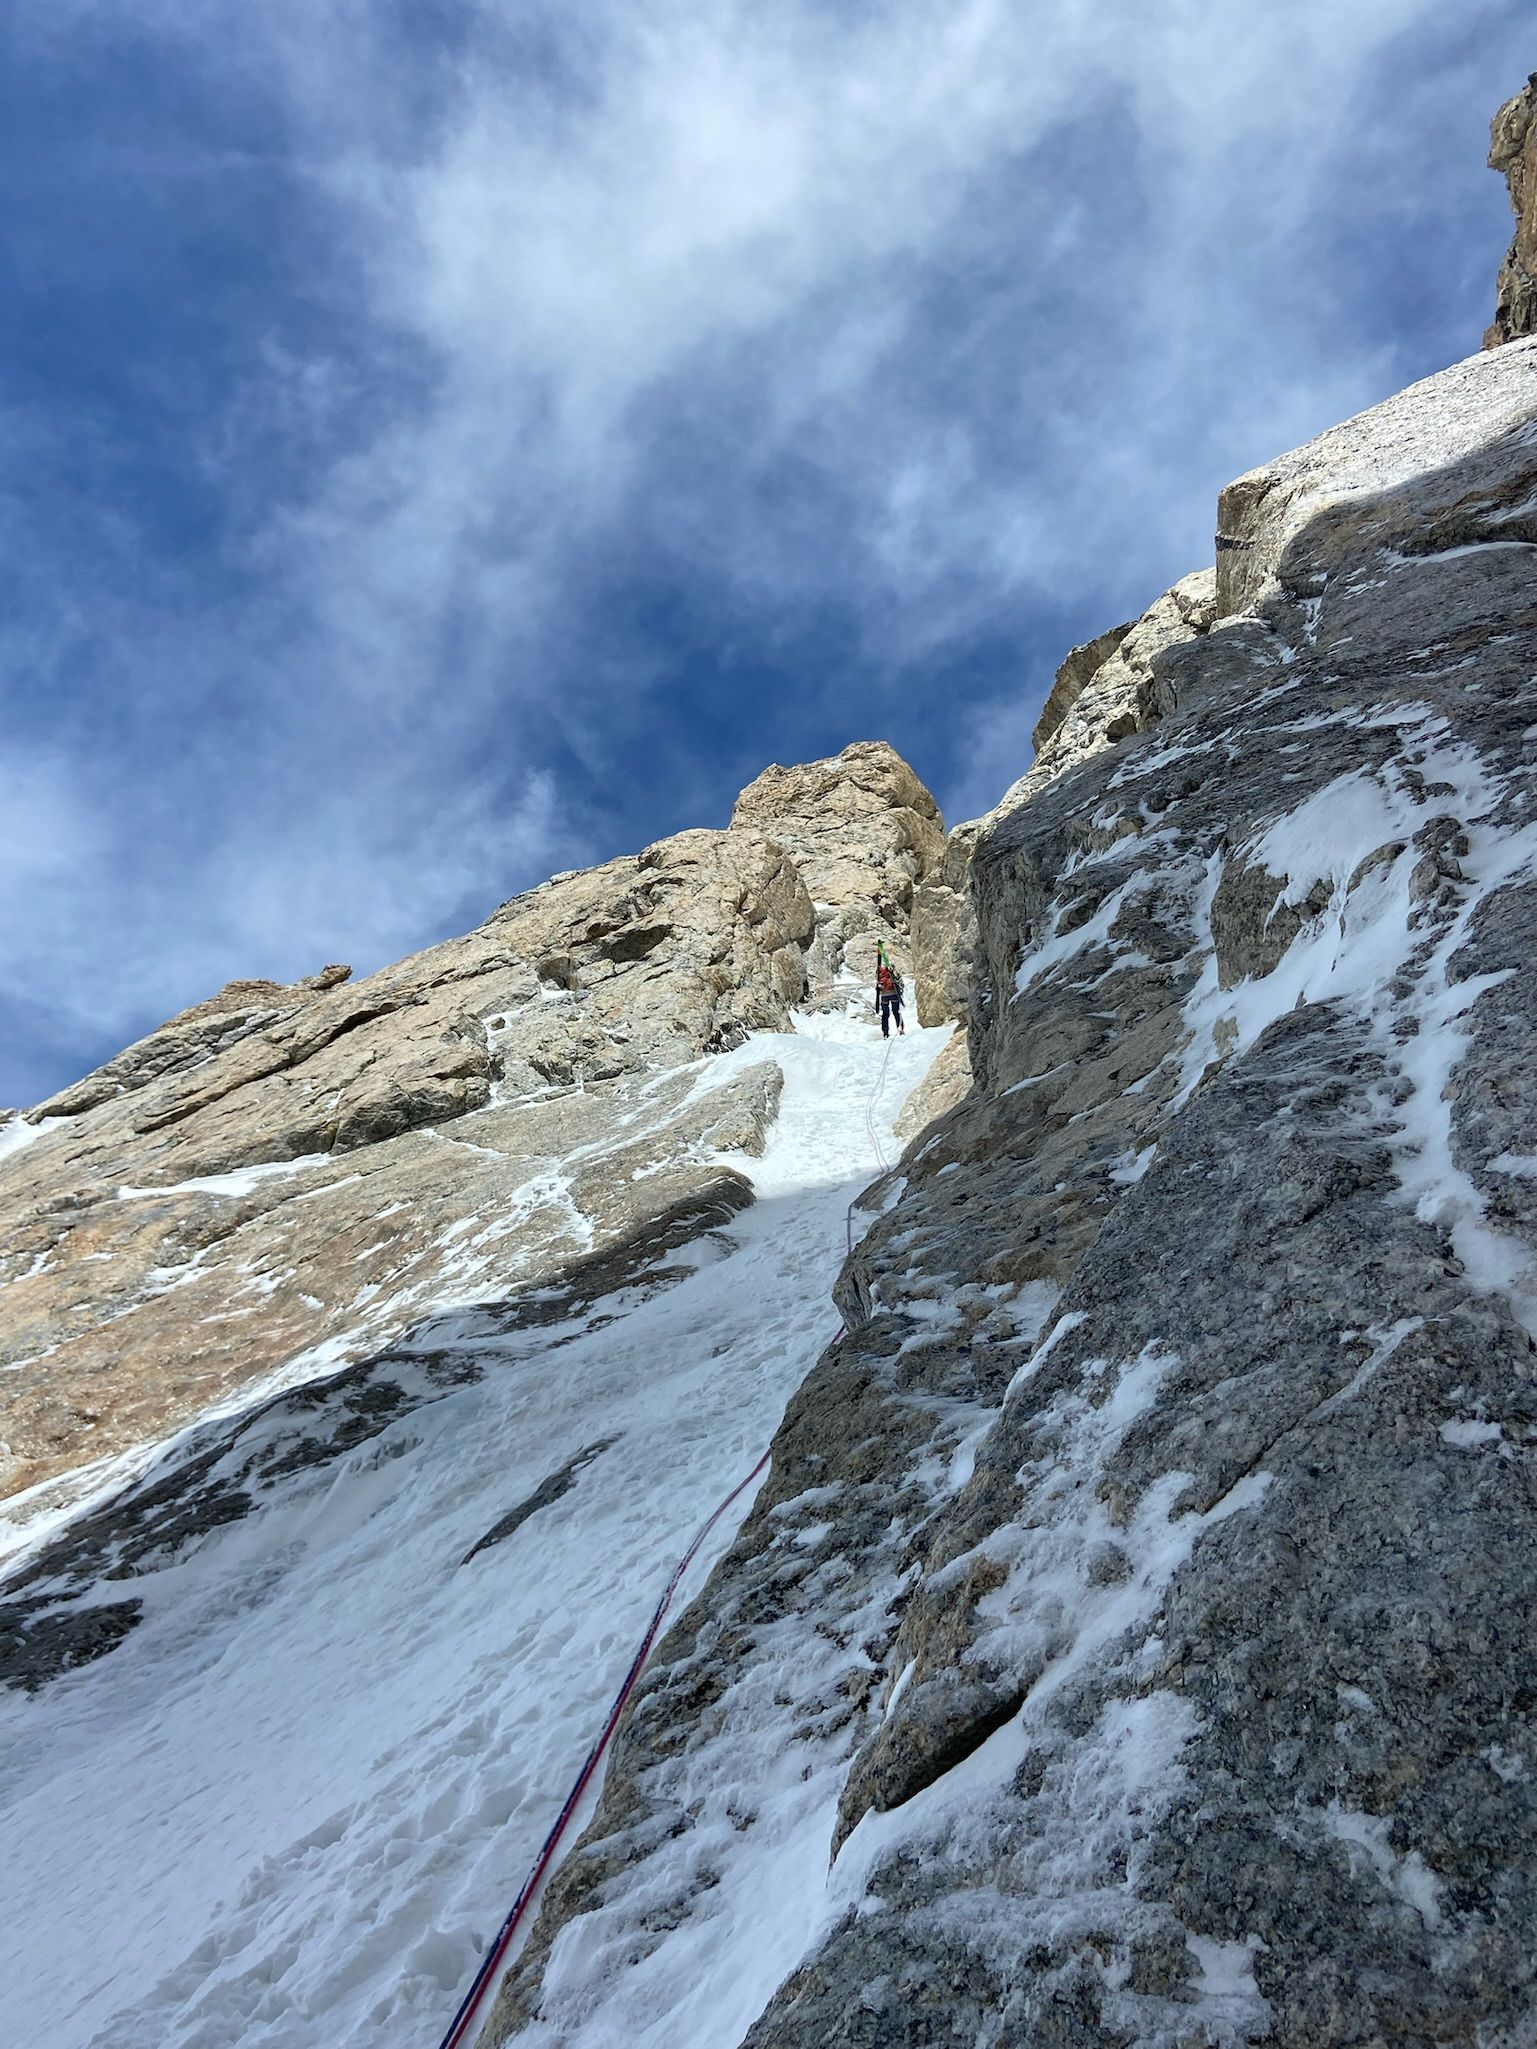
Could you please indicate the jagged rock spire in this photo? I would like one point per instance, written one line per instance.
(864, 832)
(1513, 152)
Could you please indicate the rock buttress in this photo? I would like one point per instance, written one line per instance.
(1513, 153)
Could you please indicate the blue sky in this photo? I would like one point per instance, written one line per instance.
(444, 442)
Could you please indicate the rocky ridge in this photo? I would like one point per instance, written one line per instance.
(284, 1179)
(1141, 1576)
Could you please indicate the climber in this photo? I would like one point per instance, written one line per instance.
(888, 995)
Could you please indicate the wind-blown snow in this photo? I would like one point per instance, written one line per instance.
(241, 1182)
(292, 1808)
(16, 1132)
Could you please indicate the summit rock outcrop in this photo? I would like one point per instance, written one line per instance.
(864, 833)
(1112, 686)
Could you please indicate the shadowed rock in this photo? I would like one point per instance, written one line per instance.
(1513, 153)
(550, 1490)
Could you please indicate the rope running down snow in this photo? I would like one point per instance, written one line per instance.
(875, 1144)
(459, 2028)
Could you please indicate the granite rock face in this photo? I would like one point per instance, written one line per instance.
(1142, 1581)
(286, 1178)
(1075, 672)
(864, 833)
(945, 1084)
(1513, 153)
(944, 931)
(1112, 686)
(1109, 688)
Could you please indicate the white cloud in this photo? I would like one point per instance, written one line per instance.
(46, 833)
(709, 202)
(368, 879)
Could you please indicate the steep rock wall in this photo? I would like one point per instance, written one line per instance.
(1145, 1574)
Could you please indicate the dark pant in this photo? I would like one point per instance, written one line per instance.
(891, 1014)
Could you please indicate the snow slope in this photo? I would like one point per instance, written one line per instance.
(294, 1805)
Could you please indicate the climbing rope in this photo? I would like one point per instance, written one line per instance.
(459, 2028)
(875, 1144)
(870, 1103)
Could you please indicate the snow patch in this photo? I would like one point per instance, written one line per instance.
(1469, 1432)
(243, 1181)
(1406, 1876)
(17, 1133)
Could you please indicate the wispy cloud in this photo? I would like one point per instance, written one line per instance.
(516, 376)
